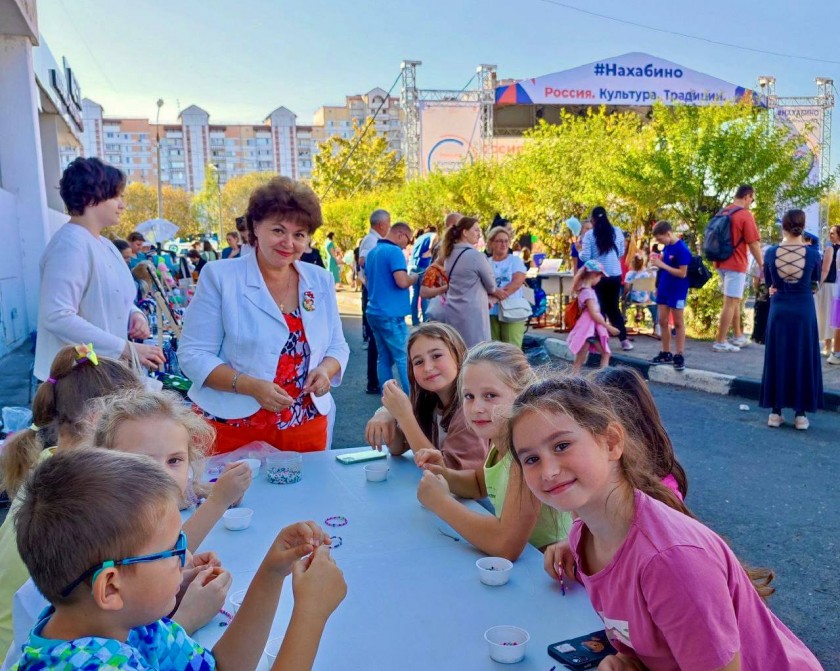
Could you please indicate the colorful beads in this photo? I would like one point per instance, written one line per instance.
(282, 475)
(336, 542)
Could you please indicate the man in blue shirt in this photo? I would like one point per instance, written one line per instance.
(671, 292)
(420, 260)
(388, 283)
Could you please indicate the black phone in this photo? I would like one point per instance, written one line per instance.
(583, 652)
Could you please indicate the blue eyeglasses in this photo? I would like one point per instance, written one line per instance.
(180, 551)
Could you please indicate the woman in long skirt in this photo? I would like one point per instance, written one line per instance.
(792, 365)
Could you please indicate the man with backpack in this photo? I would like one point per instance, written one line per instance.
(728, 236)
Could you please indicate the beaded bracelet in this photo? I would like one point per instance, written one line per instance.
(334, 544)
(336, 521)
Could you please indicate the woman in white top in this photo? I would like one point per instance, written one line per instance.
(262, 339)
(509, 271)
(87, 292)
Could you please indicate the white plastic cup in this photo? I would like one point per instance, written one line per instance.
(254, 464)
(236, 599)
(507, 644)
(272, 649)
(494, 571)
(376, 472)
(237, 519)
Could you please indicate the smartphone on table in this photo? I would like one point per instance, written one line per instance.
(583, 652)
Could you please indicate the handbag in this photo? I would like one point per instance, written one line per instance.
(571, 314)
(514, 309)
(149, 383)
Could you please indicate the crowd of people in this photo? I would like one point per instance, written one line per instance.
(582, 468)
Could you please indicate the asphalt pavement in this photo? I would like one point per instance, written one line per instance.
(772, 493)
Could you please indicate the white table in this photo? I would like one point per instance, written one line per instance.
(557, 286)
(414, 599)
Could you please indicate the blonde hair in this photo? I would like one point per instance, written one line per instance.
(510, 362)
(592, 409)
(61, 406)
(496, 230)
(140, 404)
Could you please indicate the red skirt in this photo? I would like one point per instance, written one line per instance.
(311, 436)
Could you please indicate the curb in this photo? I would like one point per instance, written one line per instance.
(690, 378)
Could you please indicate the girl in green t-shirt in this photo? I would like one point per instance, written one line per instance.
(491, 377)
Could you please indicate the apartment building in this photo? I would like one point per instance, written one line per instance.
(338, 121)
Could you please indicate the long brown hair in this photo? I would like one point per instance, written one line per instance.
(592, 409)
(640, 417)
(425, 402)
(60, 405)
(454, 234)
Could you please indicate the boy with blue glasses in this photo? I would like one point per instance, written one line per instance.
(100, 533)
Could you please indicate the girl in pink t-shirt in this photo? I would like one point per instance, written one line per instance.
(671, 593)
(591, 333)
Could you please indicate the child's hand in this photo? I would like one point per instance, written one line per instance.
(396, 401)
(229, 489)
(426, 457)
(318, 584)
(292, 543)
(432, 488)
(203, 598)
(194, 564)
(612, 330)
(558, 558)
(380, 430)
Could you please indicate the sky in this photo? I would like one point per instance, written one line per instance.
(241, 59)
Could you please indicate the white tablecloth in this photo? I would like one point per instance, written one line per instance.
(414, 599)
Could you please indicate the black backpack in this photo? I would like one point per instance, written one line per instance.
(698, 274)
(718, 244)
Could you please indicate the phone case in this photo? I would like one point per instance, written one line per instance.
(358, 457)
(584, 652)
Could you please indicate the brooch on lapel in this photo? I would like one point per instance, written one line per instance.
(308, 301)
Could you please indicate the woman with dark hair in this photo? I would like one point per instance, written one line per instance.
(262, 339)
(605, 244)
(87, 292)
(471, 282)
(792, 366)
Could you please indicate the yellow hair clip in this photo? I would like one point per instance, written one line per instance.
(86, 353)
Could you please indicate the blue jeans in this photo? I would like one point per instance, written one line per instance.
(391, 336)
(418, 303)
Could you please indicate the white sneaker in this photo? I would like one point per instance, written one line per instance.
(743, 341)
(725, 347)
(626, 345)
(801, 423)
(834, 359)
(775, 421)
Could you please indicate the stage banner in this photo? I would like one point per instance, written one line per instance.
(450, 136)
(634, 79)
(807, 123)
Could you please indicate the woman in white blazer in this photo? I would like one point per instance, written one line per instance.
(262, 339)
(87, 292)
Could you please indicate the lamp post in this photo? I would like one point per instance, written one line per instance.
(157, 148)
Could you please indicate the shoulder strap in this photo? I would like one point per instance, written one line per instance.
(454, 263)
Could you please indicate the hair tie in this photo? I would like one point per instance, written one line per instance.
(34, 427)
(51, 380)
(86, 353)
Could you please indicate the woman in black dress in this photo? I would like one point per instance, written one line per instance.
(792, 366)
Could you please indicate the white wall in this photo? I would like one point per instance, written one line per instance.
(13, 318)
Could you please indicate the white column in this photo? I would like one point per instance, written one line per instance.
(21, 167)
(51, 159)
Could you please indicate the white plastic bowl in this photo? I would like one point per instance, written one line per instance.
(494, 571)
(376, 472)
(237, 519)
(254, 464)
(236, 599)
(272, 649)
(507, 644)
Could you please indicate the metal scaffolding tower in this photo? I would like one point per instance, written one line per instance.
(410, 107)
(823, 100)
(486, 75)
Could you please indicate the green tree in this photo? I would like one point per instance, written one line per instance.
(207, 203)
(344, 167)
(692, 159)
(235, 195)
(141, 205)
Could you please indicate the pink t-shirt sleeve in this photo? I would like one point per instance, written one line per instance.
(687, 596)
(585, 295)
